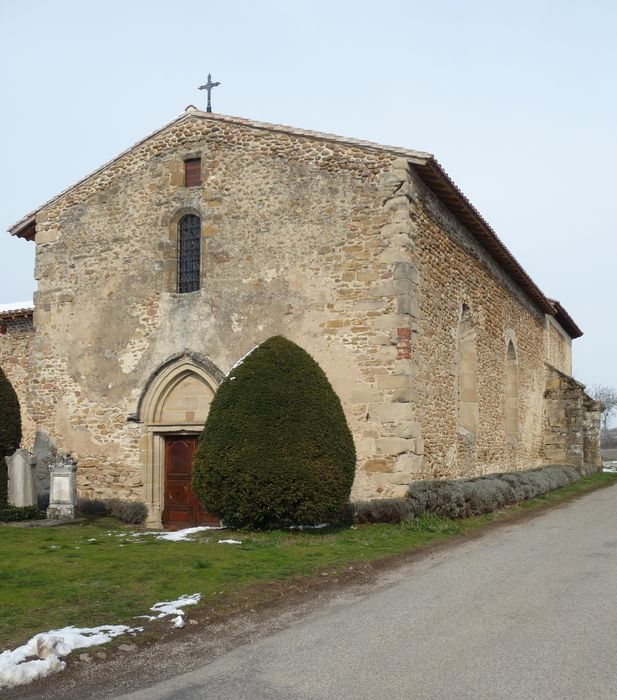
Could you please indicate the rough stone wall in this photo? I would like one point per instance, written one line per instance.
(455, 272)
(592, 454)
(296, 240)
(340, 248)
(572, 422)
(558, 347)
(16, 336)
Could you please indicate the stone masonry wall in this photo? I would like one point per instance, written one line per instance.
(16, 336)
(339, 247)
(558, 347)
(296, 240)
(591, 432)
(572, 422)
(455, 271)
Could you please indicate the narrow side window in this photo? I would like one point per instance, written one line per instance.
(189, 253)
(467, 373)
(511, 398)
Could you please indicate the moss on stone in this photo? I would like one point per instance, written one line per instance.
(276, 449)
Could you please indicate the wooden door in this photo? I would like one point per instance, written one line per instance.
(182, 508)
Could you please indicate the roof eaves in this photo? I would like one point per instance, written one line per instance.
(566, 321)
(25, 227)
(19, 227)
(438, 180)
(16, 313)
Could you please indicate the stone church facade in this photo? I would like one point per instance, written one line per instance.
(158, 271)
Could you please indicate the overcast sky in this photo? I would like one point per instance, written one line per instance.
(517, 101)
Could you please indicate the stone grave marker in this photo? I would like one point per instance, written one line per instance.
(63, 488)
(21, 482)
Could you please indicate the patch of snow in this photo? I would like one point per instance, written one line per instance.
(173, 607)
(16, 306)
(41, 656)
(308, 527)
(178, 535)
(610, 466)
(230, 542)
(241, 360)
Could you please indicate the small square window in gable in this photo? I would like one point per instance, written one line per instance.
(192, 172)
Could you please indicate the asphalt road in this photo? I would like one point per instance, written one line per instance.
(527, 611)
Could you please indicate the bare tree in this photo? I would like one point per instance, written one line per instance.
(608, 396)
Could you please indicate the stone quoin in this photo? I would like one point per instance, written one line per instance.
(161, 269)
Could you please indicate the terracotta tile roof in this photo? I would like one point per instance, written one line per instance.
(17, 310)
(566, 321)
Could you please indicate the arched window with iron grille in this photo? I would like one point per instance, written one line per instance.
(189, 253)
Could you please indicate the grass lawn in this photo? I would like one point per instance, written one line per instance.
(89, 574)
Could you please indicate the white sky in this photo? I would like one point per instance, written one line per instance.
(517, 100)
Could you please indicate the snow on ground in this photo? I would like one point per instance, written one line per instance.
(610, 466)
(230, 542)
(173, 607)
(41, 656)
(177, 535)
(308, 527)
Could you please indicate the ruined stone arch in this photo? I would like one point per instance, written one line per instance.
(511, 392)
(467, 371)
(175, 401)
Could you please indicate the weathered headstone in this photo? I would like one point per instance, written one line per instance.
(44, 452)
(63, 488)
(21, 490)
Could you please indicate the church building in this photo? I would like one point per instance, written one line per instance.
(160, 270)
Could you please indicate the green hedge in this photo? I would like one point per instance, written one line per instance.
(130, 512)
(10, 430)
(276, 449)
(11, 514)
(464, 497)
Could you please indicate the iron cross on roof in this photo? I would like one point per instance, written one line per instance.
(208, 86)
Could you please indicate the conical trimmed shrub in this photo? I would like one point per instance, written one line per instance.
(276, 449)
(10, 429)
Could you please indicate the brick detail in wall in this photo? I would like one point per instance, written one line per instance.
(403, 343)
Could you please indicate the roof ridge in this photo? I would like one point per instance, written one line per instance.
(426, 165)
(24, 219)
(419, 156)
(321, 135)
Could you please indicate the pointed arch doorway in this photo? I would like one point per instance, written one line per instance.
(173, 411)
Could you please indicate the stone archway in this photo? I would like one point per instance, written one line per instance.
(175, 402)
